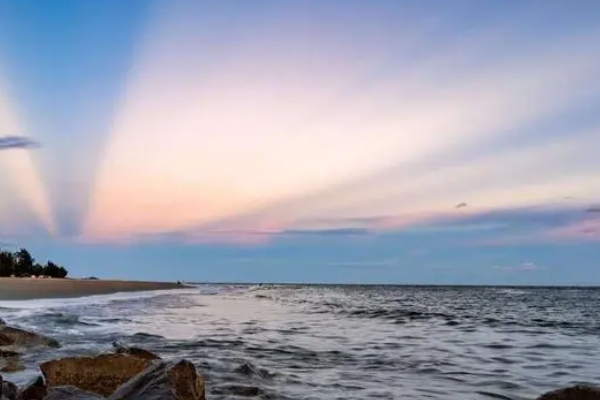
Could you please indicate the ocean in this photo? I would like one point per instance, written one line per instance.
(341, 342)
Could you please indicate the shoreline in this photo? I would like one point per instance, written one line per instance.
(14, 289)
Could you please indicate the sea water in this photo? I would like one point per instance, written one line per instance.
(341, 342)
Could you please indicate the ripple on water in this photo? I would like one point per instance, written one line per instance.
(346, 342)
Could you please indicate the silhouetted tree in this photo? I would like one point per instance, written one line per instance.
(24, 263)
(38, 269)
(62, 272)
(7, 263)
(51, 269)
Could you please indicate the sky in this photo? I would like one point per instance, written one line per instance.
(363, 141)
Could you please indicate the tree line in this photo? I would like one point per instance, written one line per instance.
(22, 264)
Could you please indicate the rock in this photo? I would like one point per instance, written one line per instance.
(579, 392)
(249, 369)
(102, 374)
(11, 364)
(2, 322)
(174, 380)
(8, 390)
(35, 390)
(5, 341)
(71, 393)
(19, 337)
(9, 361)
(135, 352)
(246, 369)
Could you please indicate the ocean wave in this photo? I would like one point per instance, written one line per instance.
(339, 342)
(64, 319)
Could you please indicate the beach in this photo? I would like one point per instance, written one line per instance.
(30, 289)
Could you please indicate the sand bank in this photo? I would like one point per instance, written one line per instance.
(27, 289)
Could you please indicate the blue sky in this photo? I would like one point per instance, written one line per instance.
(364, 141)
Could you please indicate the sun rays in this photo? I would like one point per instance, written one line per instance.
(210, 130)
(20, 187)
(237, 125)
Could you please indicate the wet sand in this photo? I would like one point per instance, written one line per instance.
(28, 289)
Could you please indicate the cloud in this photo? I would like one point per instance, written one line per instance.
(538, 216)
(395, 155)
(461, 205)
(529, 266)
(594, 209)
(248, 236)
(17, 142)
(507, 226)
(327, 232)
(379, 264)
(524, 267)
(587, 229)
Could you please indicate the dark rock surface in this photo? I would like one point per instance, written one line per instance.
(11, 336)
(135, 352)
(102, 374)
(35, 390)
(8, 390)
(71, 393)
(10, 361)
(579, 392)
(175, 380)
(250, 370)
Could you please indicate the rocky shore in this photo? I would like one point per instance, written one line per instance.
(130, 373)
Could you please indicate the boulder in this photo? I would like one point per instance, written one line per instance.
(2, 322)
(102, 374)
(250, 369)
(579, 392)
(11, 336)
(135, 352)
(71, 393)
(174, 380)
(12, 364)
(35, 390)
(9, 361)
(8, 390)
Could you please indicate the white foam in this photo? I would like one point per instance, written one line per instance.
(21, 308)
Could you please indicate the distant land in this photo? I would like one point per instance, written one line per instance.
(31, 289)
(22, 278)
(21, 264)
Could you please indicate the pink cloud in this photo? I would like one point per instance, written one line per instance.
(587, 229)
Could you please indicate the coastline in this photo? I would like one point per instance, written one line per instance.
(31, 289)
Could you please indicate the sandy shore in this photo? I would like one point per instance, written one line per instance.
(27, 289)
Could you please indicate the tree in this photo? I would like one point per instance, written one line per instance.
(51, 269)
(7, 263)
(62, 272)
(24, 263)
(38, 269)
(55, 271)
